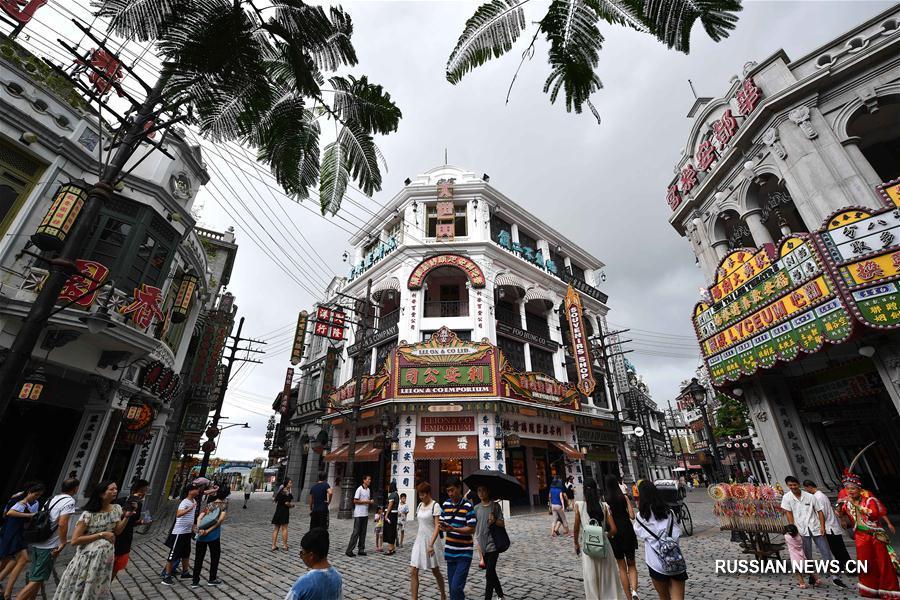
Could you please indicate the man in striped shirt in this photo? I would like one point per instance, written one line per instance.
(458, 525)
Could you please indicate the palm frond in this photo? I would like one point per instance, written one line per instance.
(618, 13)
(326, 36)
(334, 178)
(671, 20)
(223, 113)
(362, 156)
(575, 42)
(489, 33)
(365, 104)
(143, 20)
(288, 141)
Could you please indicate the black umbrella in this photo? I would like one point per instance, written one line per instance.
(501, 485)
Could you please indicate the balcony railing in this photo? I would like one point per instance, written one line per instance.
(389, 320)
(451, 308)
(508, 313)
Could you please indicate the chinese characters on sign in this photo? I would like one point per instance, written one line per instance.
(468, 266)
(526, 253)
(581, 351)
(286, 394)
(329, 323)
(144, 306)
(21, 11)
(299, 337)
(374, 255)
(104, 71)
(82, 289)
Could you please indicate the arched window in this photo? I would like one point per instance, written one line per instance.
(879, 135)
(730, 227)
(778, 213)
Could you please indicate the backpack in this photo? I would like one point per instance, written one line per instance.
(499, 534)
(210, 518)
(669, 552)
(593, 538)
(40, 527)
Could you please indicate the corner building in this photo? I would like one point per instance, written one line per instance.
(469, 363)
(787, 191)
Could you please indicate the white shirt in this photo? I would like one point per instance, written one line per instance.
(61, 504)
(248, 488)
(805, 510)
(361, 510)
(184, 523)
(651, 544)
(832, 525)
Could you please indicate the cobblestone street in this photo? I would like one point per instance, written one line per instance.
(534, 565)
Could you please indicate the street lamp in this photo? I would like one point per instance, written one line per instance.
(698, 393)
(498, 439)
(384, 441)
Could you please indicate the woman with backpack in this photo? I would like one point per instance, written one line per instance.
(658, 527)
(209, 533)
(13, 549)
(594, 527)
(624, 544)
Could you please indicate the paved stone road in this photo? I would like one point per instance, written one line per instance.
(536, 566)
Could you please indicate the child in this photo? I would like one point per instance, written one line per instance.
(794, 544)
(379, 527)
(403, 509)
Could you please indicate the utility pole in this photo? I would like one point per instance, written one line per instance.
(680, 441)
(133, 131)
(347, 482)
(607, 364)
(213, 431)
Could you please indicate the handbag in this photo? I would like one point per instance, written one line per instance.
(210, 518)
(498, 534)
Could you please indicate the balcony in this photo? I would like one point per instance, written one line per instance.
(446, 308)
(507, 313)
(388, 320)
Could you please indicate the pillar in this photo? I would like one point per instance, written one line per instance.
(860, 162)
(524, 325)
(487, 423)
(721, 248)
(403, 465)
(761, 235)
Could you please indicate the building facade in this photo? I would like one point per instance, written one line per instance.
(108, 389)
(467, 360)
(787, 193)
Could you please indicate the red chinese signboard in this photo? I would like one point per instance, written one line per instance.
(581, 350)
(466, 265)
(104, 71)
(210, 349)
(21, 11)
(145, 306)
(81, 289)
(329, 323)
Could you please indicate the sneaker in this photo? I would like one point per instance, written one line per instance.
(837, 581)
(187, 575)
(167, 580)
(215, 581)
(361, 553)
(195, 585)
(350, 554)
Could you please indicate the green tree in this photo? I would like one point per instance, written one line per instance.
(732, 417)
(571, 28)
(265, 77)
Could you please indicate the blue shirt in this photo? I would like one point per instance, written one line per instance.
(318, 584)
(458, 546)
(556, 496)
(319, 493)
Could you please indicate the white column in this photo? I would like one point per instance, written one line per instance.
(721, 248)
(487, 423)
(761, 235)
(514, 232)
(524, 325)
(559, 357)
(403, 465)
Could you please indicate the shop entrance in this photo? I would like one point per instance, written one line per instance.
(117, 466)
(438, 471)
(35, 453)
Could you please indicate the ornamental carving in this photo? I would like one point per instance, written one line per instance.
(801, 117)
(770, 138)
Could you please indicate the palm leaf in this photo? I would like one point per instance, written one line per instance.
(618, 13)
(671, 20)
(334, 178)
(326, 36)
(362, 156)
(489, 33)
(288, 141)
(575, 42)
(365, 104)
(144, 20)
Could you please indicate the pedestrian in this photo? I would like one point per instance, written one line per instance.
(248, 489)
(803, 510)
(89, 573)
(391, 517)
(134, 504)
(794, 544)
(13, 550)
(557, 499)
(428, 514)
(179, 541)
(834, 534)
(322, 581)
(863, 514)
(403, 515)
(487, 514)
(362, 500)
(319, 499)
(600, 574)
(624, 543)
(658, 527)
(570, 493)
(209, 533)
(458, 524)
(379, 528)
(284, 502)
(43, 554)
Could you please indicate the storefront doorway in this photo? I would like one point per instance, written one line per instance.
(438, 471)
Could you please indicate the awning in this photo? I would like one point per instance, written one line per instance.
(446, 446)
(689, 466)
(570, 452)
(539, 293)
(389, 283)
(511, 280)
(364, 453)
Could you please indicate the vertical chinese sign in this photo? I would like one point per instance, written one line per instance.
(299, 338)
(581, 350)
(286, 394)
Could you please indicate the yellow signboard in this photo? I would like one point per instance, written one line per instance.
(872, 269)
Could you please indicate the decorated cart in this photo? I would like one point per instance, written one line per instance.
(753, 512)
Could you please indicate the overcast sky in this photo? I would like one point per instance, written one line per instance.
(601, 185)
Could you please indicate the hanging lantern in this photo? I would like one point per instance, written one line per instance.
(33, 385)
(67, 204)
(208, 446)
(184, 297)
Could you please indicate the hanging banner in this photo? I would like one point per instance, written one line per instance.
(581, 350)
(286, 394)
(299, 338)
(209, 352)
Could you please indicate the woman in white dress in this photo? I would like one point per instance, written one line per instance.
(601, 575)
(424, 554)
